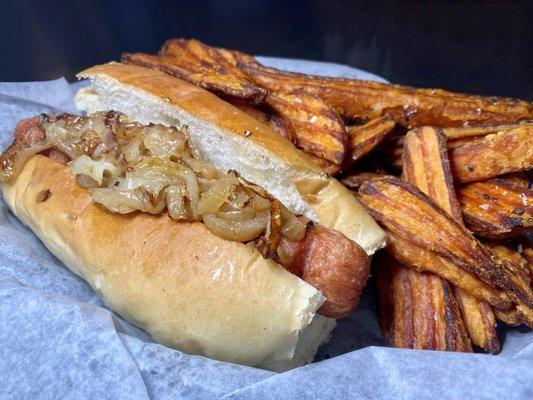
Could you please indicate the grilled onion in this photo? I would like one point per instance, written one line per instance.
(129, 167)
(85, 165)
(126, 201)
(211, 200)
(237, 231)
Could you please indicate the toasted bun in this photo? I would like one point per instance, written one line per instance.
(231, 139)
(188, 288)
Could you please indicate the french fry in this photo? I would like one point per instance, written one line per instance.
(236, 57)
(424, 260)
(475, 131)
(206, 78)
(222, 63)
(493, 155)
(526, 249)
(318, 129)
(355, 179)
(426, 165)
(405, 211)
(418, 310)
(525, 315)
(366, 137)
(409, 107)
(509, 317)
(516, 264)
(496, 208)
(480, 321)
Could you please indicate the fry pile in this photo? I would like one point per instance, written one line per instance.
(447, 175)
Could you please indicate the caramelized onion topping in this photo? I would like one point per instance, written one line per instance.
(130, 167)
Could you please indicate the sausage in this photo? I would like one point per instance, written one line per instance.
(331, 263)
(29, 132)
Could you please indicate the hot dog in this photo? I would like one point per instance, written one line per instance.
(327, 260)
(50, 180)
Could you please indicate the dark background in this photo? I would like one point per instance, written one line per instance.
(482, 47)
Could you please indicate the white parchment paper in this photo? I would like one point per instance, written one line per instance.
(58, 340)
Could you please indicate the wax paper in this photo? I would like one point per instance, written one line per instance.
(58, 340)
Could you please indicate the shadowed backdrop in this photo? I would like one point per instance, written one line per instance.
(481, 47)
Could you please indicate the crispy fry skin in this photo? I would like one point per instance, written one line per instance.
(480, 321)
(274, 121)
(205, 77)
(318, 129)
(223, 63)
(517, 264)
(353, 98)
(418, 310)
(509, 317)
(404, 210)
(366, 137)
(496, 208)
(525, 315)
(473, 131)
(493, 155)
(424, 260)
(235, 57)
(517, 267)
(426, 165)
(355, 179)
(526, 250)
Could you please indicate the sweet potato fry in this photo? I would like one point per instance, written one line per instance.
(496, 208)
(426, 165)
(221, 63)
(493, 155)
(509, 317)
(318, 129)
(525, 315)
(474, 131)
(409, 107)
(404, 210)
(274, 121)
(365, 138)
(526, 249)
(480, 321)
(355, 179)
(205, 77)
(235, 57)
(424, 260)
(516, 264)
(418, 310)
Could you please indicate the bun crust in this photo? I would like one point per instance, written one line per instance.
(231, 139)
(188, 288)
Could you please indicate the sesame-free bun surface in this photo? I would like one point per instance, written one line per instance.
(188, 288)
(231, 139)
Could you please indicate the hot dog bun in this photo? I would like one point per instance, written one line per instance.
(231, 139)
(188, 288)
